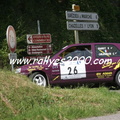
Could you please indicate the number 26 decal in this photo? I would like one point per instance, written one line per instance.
(75, 71)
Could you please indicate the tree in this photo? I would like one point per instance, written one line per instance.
(23, 16)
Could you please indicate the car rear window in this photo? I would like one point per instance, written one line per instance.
(107, 51)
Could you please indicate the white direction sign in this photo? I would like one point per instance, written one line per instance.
(71, 15)
(82, 25)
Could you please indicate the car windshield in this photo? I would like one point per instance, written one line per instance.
(77, 51)
(57, 52)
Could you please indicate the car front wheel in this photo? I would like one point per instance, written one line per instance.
(117, 78)
(38, 79)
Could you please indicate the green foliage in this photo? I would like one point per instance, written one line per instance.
(4, 54)
(23, 16)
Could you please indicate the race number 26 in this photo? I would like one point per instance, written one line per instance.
(75, 71)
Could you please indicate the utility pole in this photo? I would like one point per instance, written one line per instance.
(76, 33)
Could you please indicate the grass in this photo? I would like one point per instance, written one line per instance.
(20, 99)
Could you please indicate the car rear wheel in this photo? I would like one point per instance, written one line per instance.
(38, 79)
(117, 78)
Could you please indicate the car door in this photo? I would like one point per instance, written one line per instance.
(72, 66)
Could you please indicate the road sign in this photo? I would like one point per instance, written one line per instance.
(71, 15)
(39, 49)
(12, 55)
(38, 38)
(11, 38)
(82, 25)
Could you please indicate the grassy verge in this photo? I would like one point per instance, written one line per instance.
(20, 99)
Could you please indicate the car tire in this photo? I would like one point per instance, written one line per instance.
(117, 79)
(39, 79)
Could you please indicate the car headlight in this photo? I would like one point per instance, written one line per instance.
(18, 70)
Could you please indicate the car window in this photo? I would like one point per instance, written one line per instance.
(107, 51)
(77, 51)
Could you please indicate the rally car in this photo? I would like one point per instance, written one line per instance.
(77, 63)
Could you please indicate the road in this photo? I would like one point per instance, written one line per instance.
(107, 117)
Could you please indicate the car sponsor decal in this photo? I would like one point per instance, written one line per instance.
(56, 78)
(117, 65)
(105, 52)
(114, 65)
(36, 67)
(73, 69)
(104, 75)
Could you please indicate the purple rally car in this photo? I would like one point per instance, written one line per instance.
(77, 63)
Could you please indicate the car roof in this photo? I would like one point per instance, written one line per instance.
(117, 44)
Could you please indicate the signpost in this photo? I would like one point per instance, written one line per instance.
(38, 38)
(11, 40)
(77, 17)
(38, 44)
(39, 49)
(82, 25)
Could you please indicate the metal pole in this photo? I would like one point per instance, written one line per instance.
(76, 36)
(75, 31)
(38, 24)
(12, 65)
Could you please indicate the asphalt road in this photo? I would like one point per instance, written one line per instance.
(107, 117)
